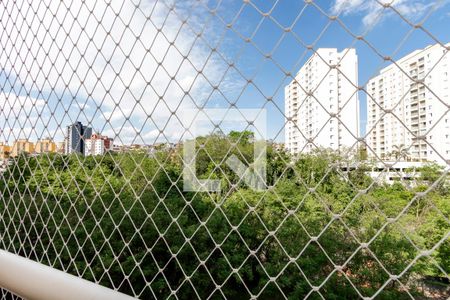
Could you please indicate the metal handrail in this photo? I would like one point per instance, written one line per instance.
(33, 280)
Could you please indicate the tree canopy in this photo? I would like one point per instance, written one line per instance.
(123, 219)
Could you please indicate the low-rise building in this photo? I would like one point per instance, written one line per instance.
(5, 151)
(395, 171)
(116, 148)
(60, 147)
(22, 146)
(45, 146)
(98, 145)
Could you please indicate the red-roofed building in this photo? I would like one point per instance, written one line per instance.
(97, 144)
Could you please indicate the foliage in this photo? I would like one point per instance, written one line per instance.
(123, 218)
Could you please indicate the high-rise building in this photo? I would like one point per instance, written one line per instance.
(76, 134)
(5, 151)
(45, 146)
(22, 146)
(97, 145)
(321, 103)
(407, 108)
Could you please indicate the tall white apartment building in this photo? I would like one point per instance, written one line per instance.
(416, 90)
(321, 103)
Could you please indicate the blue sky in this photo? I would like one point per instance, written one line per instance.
(390, 35)
(135, 83)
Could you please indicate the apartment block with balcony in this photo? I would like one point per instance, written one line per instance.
(407, 108)
(321, 103)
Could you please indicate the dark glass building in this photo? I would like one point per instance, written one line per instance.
(75, 136)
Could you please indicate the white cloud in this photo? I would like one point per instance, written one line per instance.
(109, 55)
(372, 10)
(17, 106)
(18, 116)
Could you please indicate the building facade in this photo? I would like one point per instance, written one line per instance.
(60, 147)
(321, 103)
(22, 146)
(5, 151)
(45, 146)
(407, 108)
(76, 134)
(98, 145)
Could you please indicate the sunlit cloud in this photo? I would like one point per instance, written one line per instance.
(373, 11)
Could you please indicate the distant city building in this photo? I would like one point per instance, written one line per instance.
(116, 148)
(45, 146)
(22, 146)
(392, 172)
(416, 90)
(76, 135)
(120, 148)
(135, 147)
(149, 149)
(98, 145)
(321, 104)
(5, 151)
(60, 147)
(275, 145)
